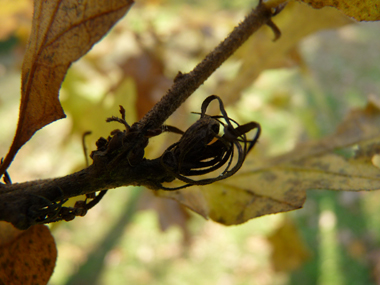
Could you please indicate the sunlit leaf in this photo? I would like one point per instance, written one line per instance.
(361, 10)
(26, 257)
(62, 31)
(343, 161)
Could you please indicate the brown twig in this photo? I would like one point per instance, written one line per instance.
(119, 160)
(185, 84)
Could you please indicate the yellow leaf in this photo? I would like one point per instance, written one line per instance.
(342, 161)
(288, 249)
(361, 10)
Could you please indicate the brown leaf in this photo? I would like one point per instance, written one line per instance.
(26, 257)
(361, 10)
(62, 32)
(343, 161)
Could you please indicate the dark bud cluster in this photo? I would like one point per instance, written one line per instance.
(202, 149)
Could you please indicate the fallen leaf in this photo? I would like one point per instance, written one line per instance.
(289, 251)
(26, 257)
(361, 10)
(342, 161)
(260, 53)
(62, 32)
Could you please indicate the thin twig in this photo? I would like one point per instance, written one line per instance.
(84, 146)
(185, 84)
(23, 204)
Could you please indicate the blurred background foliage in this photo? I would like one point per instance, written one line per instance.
(298, 88)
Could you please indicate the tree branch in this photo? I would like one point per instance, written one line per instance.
(185, 84)
(119, 161)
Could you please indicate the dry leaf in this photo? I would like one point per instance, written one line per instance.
(361, 10)
(26, 257)
(343, 161)
(288, 249)
(62, 32)
(260, 53)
